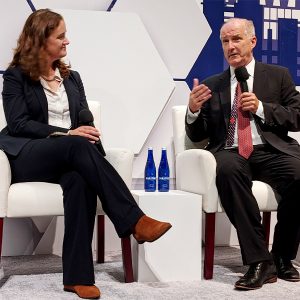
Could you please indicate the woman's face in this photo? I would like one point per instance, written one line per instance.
(56, 44)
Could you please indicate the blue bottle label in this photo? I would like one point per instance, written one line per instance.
(150, 184)
(163, 184)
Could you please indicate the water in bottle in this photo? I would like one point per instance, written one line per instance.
(150, 173)
(163, 172)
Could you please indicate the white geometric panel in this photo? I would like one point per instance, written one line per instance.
(122, 69)
(178, 29)
(13, 14)
(72, 4)
(162, 133)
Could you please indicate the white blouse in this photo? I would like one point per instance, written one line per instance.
(58, 104)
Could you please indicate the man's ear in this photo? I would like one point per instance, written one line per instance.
(253, 41)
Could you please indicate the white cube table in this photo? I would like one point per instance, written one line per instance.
(177, 254)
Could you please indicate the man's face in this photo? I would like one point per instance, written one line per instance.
(237, 45)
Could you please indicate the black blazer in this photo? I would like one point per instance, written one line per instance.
(276, 90)
(26, 108)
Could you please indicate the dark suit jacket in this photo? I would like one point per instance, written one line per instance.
(26, 108)
(274, 87)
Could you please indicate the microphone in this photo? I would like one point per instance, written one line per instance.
(242, 75)
(86, 119)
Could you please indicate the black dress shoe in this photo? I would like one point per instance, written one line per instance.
(285, 269)
(257, 275)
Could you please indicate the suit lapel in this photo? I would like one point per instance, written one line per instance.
(225, 95)
(41, 96)
(71, 95)
(260, 78)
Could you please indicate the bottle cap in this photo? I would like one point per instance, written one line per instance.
(164, 148)
(150, 148)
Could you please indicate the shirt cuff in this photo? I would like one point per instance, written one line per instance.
(191, 117)
(260, 111)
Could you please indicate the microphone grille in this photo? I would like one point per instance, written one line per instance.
(85, 116)
(241, 74)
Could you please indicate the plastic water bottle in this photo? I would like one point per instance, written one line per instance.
(150, 173)
(163, 172)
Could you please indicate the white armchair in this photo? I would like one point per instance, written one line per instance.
(196, 173)
(31, 199)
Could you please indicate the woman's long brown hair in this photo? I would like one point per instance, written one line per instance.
(29, 54)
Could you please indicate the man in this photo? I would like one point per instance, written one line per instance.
(273, 107)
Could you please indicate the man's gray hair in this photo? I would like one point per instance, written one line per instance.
(249, 26)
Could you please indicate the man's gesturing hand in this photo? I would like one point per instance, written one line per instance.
(199, 94)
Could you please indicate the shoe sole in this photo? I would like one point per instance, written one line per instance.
(270, 280)
(142, 242)
(288, 279)
(73, 291)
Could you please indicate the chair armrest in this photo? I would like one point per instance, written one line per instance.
(5, 180)
(122, 160)
(196, 173)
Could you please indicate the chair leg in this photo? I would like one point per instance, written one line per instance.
(127, 259)
(266, 224)
(210, 220)
(1, 235)
(100, 238)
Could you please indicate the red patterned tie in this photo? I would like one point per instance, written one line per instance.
(244, 130)
(232, 121)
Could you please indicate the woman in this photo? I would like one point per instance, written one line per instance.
(42, 98)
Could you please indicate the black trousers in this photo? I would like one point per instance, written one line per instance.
(83, 173)
(234, 182)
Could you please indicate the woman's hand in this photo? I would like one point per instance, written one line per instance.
(89, 132)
